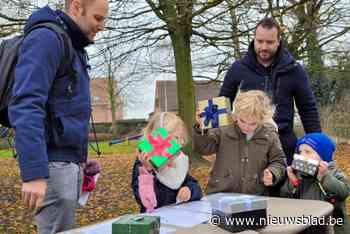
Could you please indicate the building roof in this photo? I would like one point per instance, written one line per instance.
(166, 93)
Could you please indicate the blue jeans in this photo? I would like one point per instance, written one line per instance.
(61, 198)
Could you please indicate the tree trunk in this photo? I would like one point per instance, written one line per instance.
(112, 99)
(234, 28)
(185, 89)
(314, 53)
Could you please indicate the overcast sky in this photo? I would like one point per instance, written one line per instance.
(141, 102)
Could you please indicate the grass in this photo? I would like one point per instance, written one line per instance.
(6, 153)
(122, 148)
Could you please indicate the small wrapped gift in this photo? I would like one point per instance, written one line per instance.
(160, 146)
(136, 224)
(304, 165)
(215, 112)
(240, 208)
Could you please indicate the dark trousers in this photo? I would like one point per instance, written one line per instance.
(288, 142)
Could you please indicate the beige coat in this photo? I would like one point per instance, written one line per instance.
(239, 163)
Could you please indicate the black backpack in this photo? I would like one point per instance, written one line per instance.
(8, 59)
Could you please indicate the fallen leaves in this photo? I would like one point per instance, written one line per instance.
(113, 195)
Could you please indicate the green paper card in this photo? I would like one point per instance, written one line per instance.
(161, 147)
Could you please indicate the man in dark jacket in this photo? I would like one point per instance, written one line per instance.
(268, 66)
(51, 114)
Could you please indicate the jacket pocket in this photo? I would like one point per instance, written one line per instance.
(262, 145)
(70, 126)
(254, 185)
(222, 183)
(74, 129)
(64, 87)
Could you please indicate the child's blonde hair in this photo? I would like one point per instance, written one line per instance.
(255, 104)
(171, 122)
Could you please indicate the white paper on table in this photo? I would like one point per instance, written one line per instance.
(85, 195)
(202, 206)
(101, 228)
(180, 217)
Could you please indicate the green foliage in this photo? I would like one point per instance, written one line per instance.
(102, 127)
(341, 75)
(130, 126)
(335, 118)
(324, 89)
(124, 127)
(331, 84)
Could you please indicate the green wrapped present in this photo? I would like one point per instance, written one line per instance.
(136, 224)
(160, 146)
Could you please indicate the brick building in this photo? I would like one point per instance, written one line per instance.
(101, 108)
(166, 93)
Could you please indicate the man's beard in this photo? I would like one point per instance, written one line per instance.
(268, 58)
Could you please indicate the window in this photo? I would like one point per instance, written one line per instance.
(96, 98)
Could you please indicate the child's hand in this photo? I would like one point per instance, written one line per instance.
(268, 177)
(146, 190)
(92, 167)
(292, 177)
(184, 194)
(142, 156)
(322, 169)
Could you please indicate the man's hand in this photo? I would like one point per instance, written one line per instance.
(268, 177)
(33, 193)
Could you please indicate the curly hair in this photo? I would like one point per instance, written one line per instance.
(255, 104)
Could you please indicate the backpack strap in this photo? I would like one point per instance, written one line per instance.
(66, 64)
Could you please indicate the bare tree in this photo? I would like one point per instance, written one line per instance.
(198, 39)
(111, 88)
(172, 21)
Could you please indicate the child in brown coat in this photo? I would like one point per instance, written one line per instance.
(249, 156)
